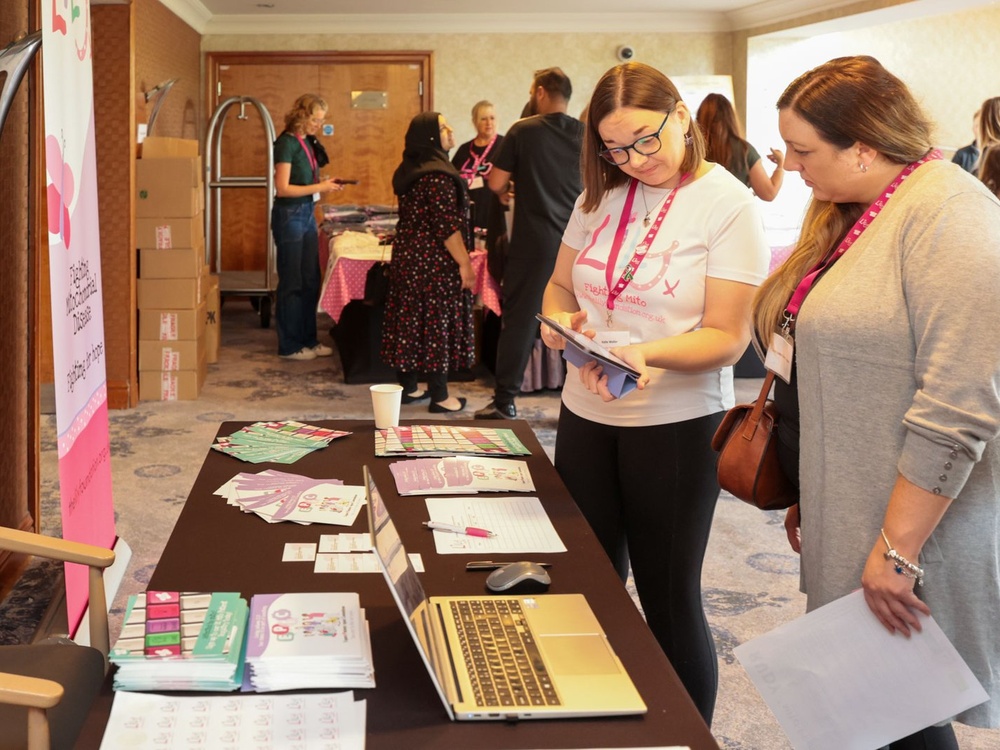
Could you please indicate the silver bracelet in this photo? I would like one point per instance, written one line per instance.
(900, 564)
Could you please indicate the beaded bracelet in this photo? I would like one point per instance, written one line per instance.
(900, 564)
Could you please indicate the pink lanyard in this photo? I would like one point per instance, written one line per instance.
(640, 250)
(792, 308)
(477, 160)
(311, 157)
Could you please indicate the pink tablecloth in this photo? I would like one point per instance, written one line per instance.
(346, 281)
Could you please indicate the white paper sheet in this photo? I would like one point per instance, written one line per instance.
(836, 679)
(356, 562)
(520, 525)
(254, 722)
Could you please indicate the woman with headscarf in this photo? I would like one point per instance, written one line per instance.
(428, 312)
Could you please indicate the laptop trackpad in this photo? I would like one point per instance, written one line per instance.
(578, 654)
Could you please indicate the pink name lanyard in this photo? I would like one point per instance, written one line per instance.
(792, 308)
(477, 160)
(311, 157)
(640, 250)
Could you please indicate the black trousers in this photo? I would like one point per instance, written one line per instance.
(649, 494)
(524, 283)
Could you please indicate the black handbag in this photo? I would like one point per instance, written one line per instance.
(377, 282)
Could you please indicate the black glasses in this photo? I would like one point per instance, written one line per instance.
(645, 146)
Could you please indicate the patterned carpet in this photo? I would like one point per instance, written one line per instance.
(750, 579)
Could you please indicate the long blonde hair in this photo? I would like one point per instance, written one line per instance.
(847, 100)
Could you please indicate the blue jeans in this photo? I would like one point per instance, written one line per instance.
(297, 244)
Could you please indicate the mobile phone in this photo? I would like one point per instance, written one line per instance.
(344, 182)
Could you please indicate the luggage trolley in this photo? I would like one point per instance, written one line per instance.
(259, 286)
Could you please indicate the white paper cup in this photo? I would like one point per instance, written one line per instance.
(386, 399)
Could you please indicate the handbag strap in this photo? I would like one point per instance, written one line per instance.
(750, 427)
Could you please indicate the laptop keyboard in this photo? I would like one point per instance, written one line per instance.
(504, 663)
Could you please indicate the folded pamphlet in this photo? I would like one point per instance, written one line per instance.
(460, 474)
(174, 640)
(308, 640)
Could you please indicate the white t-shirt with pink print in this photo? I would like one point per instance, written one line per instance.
(712, 229)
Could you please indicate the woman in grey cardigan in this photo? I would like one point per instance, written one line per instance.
(897, 362)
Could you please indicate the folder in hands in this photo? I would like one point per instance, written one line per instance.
(622, 377)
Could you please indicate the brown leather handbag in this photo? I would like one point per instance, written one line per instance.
(747, 442)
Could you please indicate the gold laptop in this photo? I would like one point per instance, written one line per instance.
(501, 656)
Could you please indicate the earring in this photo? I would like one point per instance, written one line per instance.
(688, 139)
(863, 167)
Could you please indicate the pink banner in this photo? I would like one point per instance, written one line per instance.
(75, 281)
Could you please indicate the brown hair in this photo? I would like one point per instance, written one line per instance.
(303, 109)
(628, 85)
(988, 127)
(721, 128)
(989, 169)
(554, 81)
(847, 100)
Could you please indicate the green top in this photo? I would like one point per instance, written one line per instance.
(288, 150)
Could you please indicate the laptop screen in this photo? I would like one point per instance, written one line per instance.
(401, 575)
(405, 586)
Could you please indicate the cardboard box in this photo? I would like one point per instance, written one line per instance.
(168, 188)
(164, 233)
(171, 356)
(172, 325)
(170, 294)
(186, 263)
(213, 311)
(160, 147)
(182, 385)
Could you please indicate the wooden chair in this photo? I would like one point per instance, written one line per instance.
(46, 690)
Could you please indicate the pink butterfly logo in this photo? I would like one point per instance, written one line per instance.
(60, 191)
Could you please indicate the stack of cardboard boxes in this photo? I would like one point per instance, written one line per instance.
(178, 298)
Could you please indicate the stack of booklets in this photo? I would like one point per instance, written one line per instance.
(282, 442)
(446, 440)
(174, 640)
(279, 496)
(460, 475)
(308, 640)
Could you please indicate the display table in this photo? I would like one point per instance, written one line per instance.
(345, 279)
(216, 547)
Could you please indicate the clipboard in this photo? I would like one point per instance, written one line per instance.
(622, 377)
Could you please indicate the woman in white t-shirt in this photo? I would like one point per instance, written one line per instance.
(659, 262)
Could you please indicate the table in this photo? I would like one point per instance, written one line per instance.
(217, 547)
(345, 280)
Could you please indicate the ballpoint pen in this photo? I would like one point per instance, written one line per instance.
(493, 565)
(467, 530)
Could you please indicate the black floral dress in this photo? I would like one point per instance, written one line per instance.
(428, 316)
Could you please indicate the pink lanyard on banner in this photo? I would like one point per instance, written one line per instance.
(628, 273)
(311, 157)
(795, 303)
(477, 160)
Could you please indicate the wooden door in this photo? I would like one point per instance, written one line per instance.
(363, 138)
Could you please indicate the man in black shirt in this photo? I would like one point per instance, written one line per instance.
(541, 157)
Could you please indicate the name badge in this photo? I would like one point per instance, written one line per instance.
(779, 356)
(611, 338)
(315, 197)
(477, 183)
